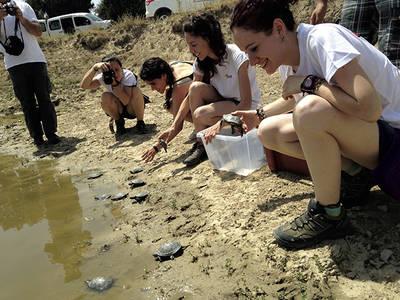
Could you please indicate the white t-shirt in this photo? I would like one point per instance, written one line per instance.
(32, 51)
(226, 80)
(128, 79)
(327, 47)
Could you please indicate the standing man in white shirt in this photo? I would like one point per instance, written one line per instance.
(26, 64)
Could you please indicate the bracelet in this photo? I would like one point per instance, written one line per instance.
(155, 148)
(261, 113)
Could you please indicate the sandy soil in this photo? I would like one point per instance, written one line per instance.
(225, 220)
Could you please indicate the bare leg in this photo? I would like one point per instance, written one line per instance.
(136, 104)
(326, 134)
(206, 105)
(175, 105)
(111, 105)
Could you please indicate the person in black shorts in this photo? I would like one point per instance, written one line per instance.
(122, 98)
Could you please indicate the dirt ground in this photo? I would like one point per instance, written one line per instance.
(225, 220)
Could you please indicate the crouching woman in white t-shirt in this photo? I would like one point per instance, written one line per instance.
(223, 81)
(122, 98)
(345, 98)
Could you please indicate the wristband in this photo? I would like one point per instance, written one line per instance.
(310, 84)
(155, 148)
(261, 113)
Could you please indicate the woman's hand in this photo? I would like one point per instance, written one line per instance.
(168, 134)
(149, 154)
(249, 118)
(101, 67)
(292, 86)
(210, 133)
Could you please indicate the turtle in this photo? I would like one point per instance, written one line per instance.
(105, 248)
(163, 144)
(168, 251)
(234, 121)
(95, 175)
(140, 197)
(119, 196)
(103, 197)
(100, 283)
(136, 182)
(136, 170)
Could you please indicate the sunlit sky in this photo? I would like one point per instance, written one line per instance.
(96, 2)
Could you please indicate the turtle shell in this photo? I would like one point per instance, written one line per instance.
(136, 182)
(102, 197)
(167, 250)
(100, 283)
(140, 197)
(232, 120)
(95, 175)
(119, 196)
(136, 170)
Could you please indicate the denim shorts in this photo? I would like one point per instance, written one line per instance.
(387, 173)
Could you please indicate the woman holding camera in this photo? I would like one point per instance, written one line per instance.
(173, 80)
(122, 98)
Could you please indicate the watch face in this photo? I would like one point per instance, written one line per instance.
(308, 83)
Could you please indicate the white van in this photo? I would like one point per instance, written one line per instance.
(71, 23)
(161, 9)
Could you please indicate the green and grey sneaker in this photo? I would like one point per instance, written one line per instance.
(354, 190)
(311, 227)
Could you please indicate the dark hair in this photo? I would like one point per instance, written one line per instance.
(112, 58)
(153, 68)
(207, 27)
(259, 15)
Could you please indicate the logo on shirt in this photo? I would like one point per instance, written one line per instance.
(227, 76)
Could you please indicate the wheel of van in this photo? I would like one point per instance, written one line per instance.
(163, 13)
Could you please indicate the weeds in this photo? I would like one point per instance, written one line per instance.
(243, 290)
(205, 268)
(194, 257)
(229, 268)
(173, 204)
(318, 263)
(137, 238)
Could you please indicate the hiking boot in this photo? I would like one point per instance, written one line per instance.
(120, 124)
(53, 139)
(141, 127)
(354, 190)
(38, 141)
(198, 155)
(192, 135)
(311, 227)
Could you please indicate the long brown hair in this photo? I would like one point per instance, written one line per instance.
(207, 27)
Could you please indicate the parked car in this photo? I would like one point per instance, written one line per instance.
(161, 9)
(71, 23)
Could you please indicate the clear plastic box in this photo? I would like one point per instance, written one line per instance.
(233, 153)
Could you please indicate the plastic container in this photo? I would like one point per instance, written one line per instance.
(233, 153)
(281, 162)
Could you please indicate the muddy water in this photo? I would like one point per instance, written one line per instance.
(51, 234)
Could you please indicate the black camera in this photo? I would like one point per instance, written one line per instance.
(108, 76)
(10, 9)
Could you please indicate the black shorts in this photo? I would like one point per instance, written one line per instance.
(387, 173)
